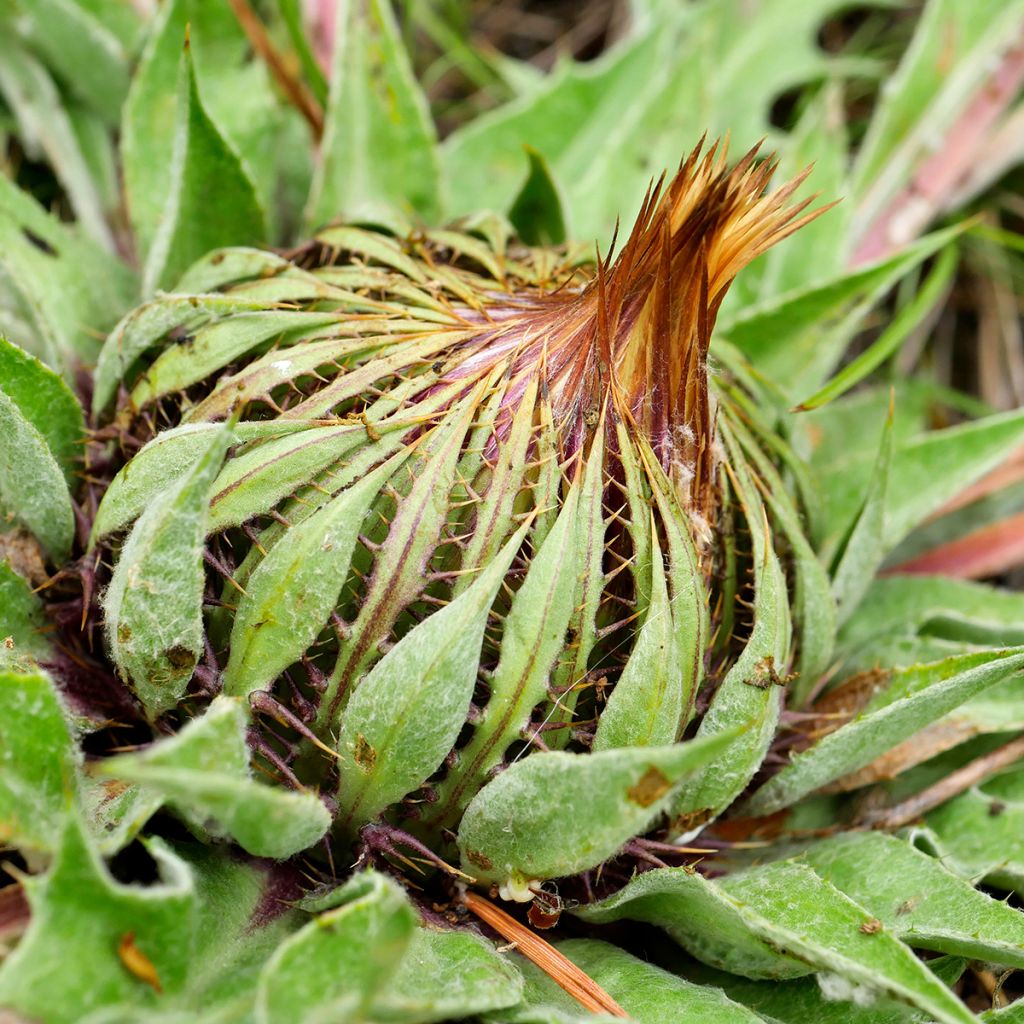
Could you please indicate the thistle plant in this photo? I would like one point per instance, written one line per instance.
(401, 617)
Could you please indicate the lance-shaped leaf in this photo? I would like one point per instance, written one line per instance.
(81, 915)
(568, 675)
(204, 772)
(406, 715)
(533, 635)
(154, 604)
(148, 326)
(291, 594)
(215, 345)
(335, 967)
(913, 698)
(45, 400)
(38, 783)
(648, 705)
(783, 922)
(556, 814)
(211, 199)
(71, 289)
(165, 460)
(865, 547)
(748, 697)
(379, 148)
(537, 213)
(919, 899)
(33, 489)
(400, 565)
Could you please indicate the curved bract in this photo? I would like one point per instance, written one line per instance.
(406, 414)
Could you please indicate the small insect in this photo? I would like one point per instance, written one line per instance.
(546, 908)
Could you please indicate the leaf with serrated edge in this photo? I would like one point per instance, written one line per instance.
(153, 608)
(405, 716)
(912, 699)
(556, 814)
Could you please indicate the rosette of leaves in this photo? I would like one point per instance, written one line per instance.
(432, 571)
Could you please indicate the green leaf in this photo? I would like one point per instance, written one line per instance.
(948, 60)
(979, 836)
(554, 814)
(537, 213)
(216, 345)
(46, 129)
(165, 460)
(533, 636)
(797, 338)
(650, 994)
(864, 550)
(780, 921)
(211, 200)
(149, 325)
(379, 147)
(924, 300)
(38, 781)
(81, 50)
(748, 700)
(824, 999)
(81, 915)
(918, 899)
(46, 402)
(406, 715)
(22, 620)
(204, 772)
(648, 705)
(33, 489)
(71, 288)
(338, 964)
(290, 595)
(447, 975)
(154, 604)
(908, 701)
(926, 472)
